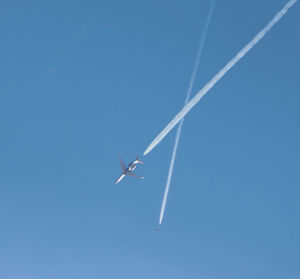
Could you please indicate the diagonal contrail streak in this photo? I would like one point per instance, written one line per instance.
(219, 75)
(188, 94)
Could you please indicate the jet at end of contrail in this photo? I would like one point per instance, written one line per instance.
(218, 76)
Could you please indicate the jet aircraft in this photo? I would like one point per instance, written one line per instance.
(128, 170)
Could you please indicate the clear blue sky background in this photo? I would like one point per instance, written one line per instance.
(84, 81)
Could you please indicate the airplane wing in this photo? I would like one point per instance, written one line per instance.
(134, 175)
(122, 164)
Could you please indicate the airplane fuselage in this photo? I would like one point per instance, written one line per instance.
(131, 166)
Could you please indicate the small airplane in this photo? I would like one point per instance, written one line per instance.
(128, 170)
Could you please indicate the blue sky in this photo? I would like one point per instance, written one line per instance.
(84, 81)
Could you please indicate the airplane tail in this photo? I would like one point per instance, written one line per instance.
(138, 160)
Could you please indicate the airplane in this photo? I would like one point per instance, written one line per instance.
(128, 170)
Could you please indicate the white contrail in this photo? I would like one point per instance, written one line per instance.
(219, 75)
(188, 94)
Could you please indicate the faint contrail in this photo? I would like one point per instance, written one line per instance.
(219, 75)
(188, 94)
